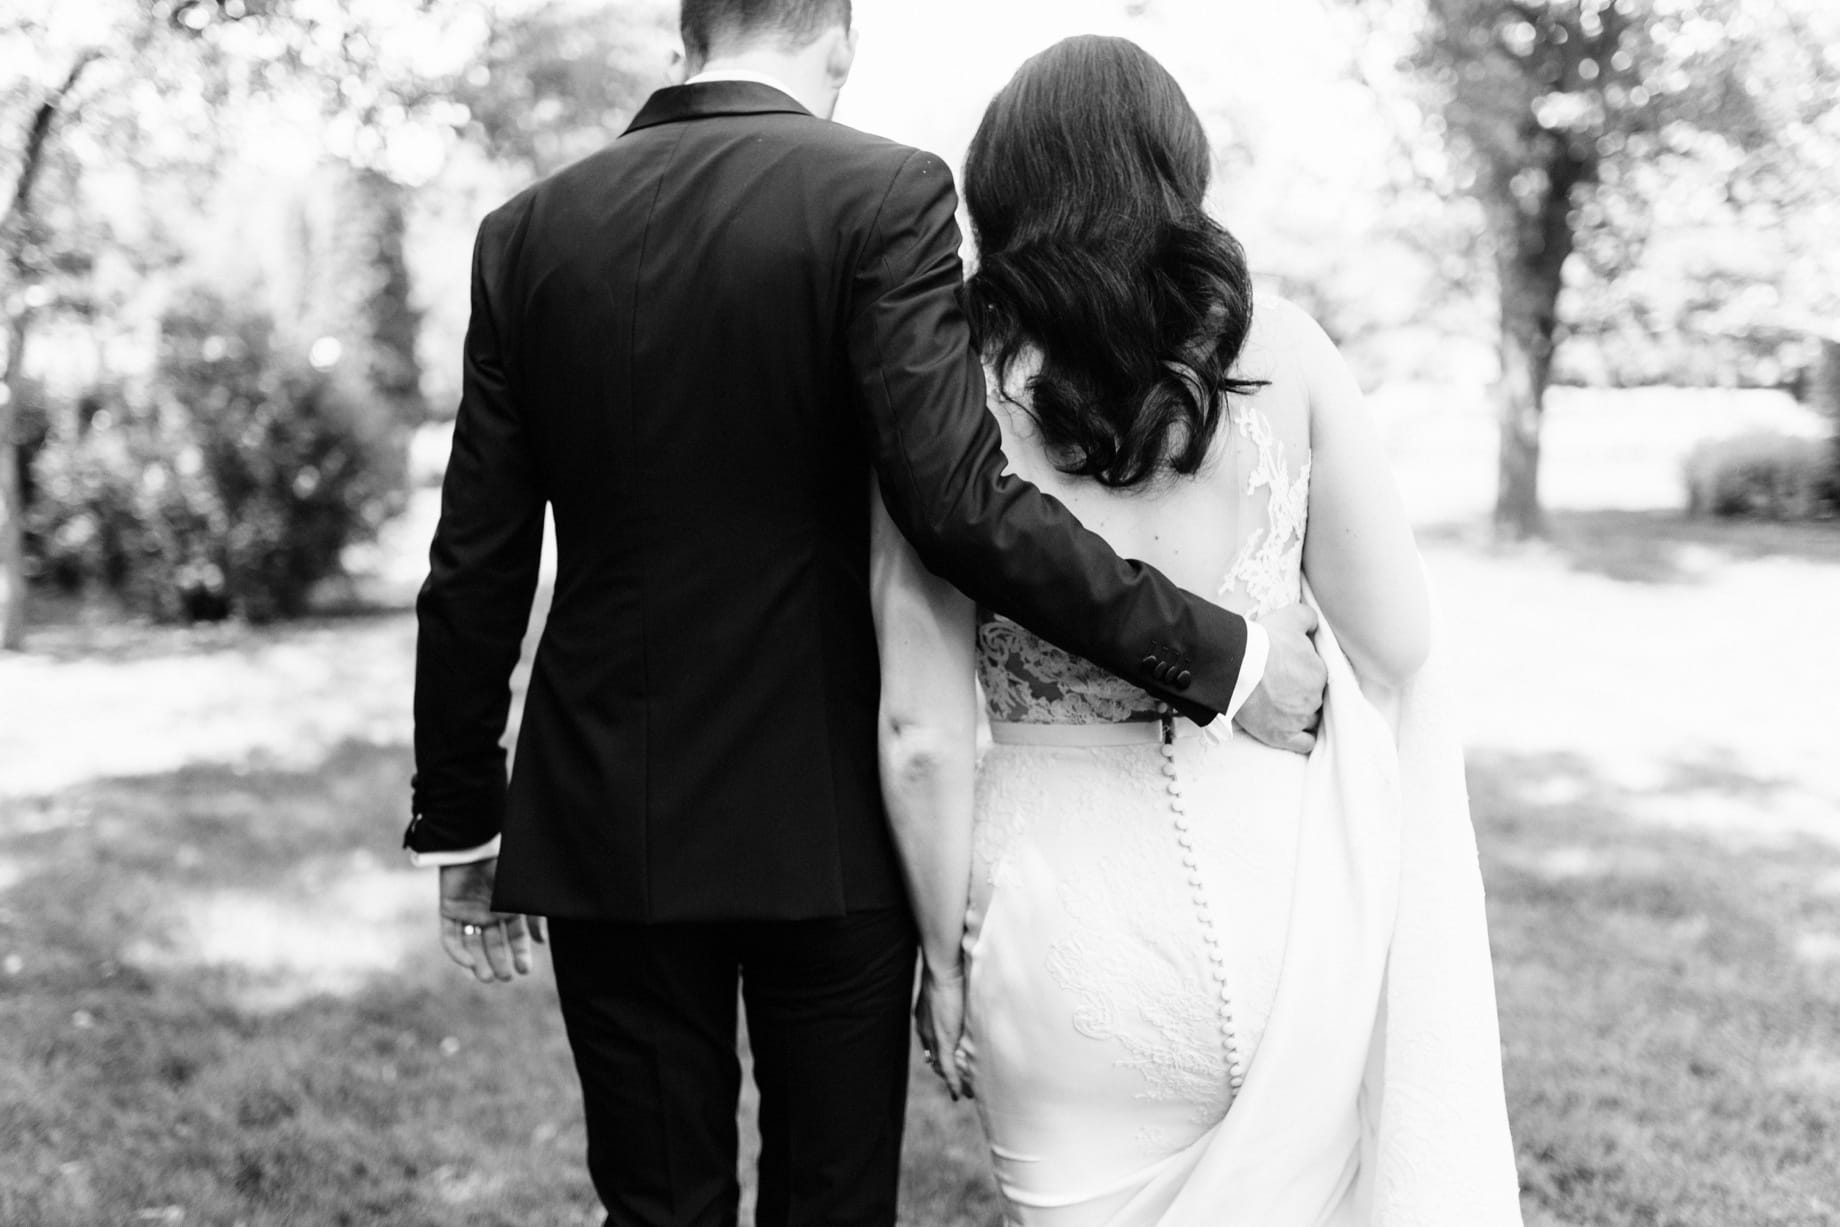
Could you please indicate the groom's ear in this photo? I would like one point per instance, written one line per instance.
(842, 56)
(677, 67)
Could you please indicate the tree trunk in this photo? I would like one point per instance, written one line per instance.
(1534, 238)
(12, 509)
(15, 228)
(1521, 398)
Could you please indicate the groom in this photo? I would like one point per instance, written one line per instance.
(694, 346)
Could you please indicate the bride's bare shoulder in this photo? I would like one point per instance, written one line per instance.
(1282, 331)
(1283, 352)
(1288, 348)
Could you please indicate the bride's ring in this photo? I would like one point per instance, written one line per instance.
(469, 930)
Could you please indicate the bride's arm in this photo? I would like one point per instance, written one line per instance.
(1358, 553)
(927, 734)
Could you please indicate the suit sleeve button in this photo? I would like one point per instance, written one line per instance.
(1183, 679)
(1149, 664)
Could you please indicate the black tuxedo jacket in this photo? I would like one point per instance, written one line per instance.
(694, 345)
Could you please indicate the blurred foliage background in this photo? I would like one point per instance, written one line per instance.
(232, 269)
(232, 255)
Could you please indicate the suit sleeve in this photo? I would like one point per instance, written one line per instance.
(997, 538)
(475, 605)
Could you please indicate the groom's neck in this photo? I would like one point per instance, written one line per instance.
(803, 72)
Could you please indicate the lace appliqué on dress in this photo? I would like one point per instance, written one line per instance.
(1028, 680)
(1269, 567)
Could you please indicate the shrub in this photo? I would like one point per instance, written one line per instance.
(232, 487)
(106, 508)
(1778, 476)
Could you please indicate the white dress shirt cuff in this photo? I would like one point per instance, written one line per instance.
(1251, 669)
(456, 856)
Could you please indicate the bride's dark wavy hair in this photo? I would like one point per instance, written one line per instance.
(1085, 184)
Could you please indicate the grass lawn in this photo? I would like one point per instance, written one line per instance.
(222, 1002)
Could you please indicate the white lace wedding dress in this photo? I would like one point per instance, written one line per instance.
(1178, 938)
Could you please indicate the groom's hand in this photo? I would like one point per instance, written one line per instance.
(1283, 710)
(492, 945)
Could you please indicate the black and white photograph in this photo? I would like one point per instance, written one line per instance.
(854, 613)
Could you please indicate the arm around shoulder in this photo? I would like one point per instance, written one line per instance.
(939, 456)
(920, 385)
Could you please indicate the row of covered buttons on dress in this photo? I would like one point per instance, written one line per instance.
(1217, 959)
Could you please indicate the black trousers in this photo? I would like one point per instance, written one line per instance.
(650, 1012)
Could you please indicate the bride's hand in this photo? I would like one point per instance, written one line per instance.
(939, 1018)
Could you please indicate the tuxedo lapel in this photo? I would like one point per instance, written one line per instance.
(680, 102)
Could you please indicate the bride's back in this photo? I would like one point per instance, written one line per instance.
(1131, 376)
(1233, 530)
(1136, 382)
(1203, 530)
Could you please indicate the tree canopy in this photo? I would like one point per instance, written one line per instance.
(117, 138)
(1646, 170)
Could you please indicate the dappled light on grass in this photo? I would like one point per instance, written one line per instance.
(1647, 703)
(1683, 662)
(1567, 862)
(1702, 695)
(281, 697)
(12, 869)
(275, 886)
(1670, 1015)
(1819, 948)
(223, 992)
(332, 929)
(97, 700)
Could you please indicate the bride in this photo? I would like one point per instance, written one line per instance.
(1189, 978)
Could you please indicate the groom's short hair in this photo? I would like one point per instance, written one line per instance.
(708, 23)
